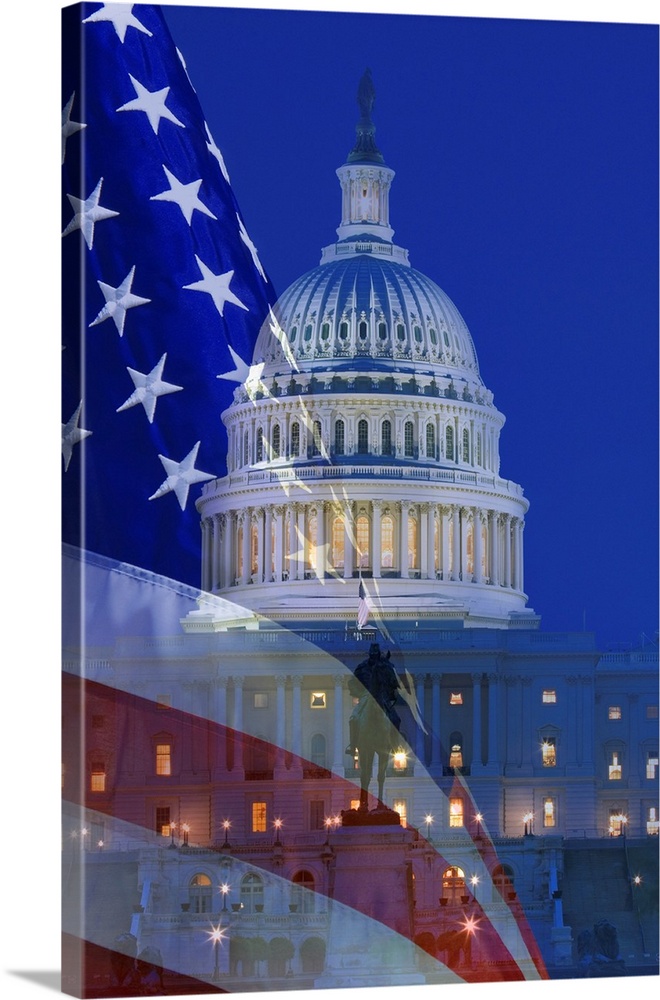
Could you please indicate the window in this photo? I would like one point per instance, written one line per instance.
(434, 337)
(163, 702)
(549, 696)
(614, 712)
(502, 881)
(617, 822)
(652, 764)
(317, 814)
(97, 778)
(307, 335)
(259, 817)
(354, 804)
(339, 437)
(363, 437)
(614, 766)
(294, 331)
(343, 331)
(651, 711)
(412, 543)
(478, 449)
(400, 332)
(382, 331)
(652, 821)
(276, 441)
(401, 807)
(316, 438)
(548, 812)
(163, 759)
(246, 448)
(400, 760)
(302, 894)
(260, 699)
(295, 439)
(252, 893)
(338, 543)
(449, 443)
(362, 330)
(386, 438)
(456, 698)
(260, 445)
(549, 751)
(430, 441)
(466, 445)
(163, 821)
(317, 699)
(408, 440)
(362, 540)
(325, 331)
(453, 884)
(200, 893)
(387, 542)
(456, 755)
(317, 754)
(455, 812)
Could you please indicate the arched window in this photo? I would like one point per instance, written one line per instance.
(382, 331)
(302, 893)
(466, 445)
(469, 545)
(363, 330)
(456, 750)
(400, 332)
(317, 755)
(387, 542)
(362, 540)
(276, 441)
(453, 884)
(295, 439)
(386, 438)
(343, 330)
(316, 438)
(260, 445)
(363, 437)
(430, 441)
(478, 446)
(338, 543)
(449, 443)
(239, 550)
(412, 543)
(502, 876)
(312, 536)
(408, 440)
(254, 549)
(200, 893)
(339, 437)
(325, 331)
(246, 448)
(252, 893)
(417, 333)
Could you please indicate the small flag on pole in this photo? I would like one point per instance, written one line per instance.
(363, 606)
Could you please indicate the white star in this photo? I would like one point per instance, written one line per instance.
(118, 301)
(87, 213)
(214, 151)
(242, 372)
(282, 340)
(152, 103)
(251, 247)
(181, 476)
(69, 127)
(217, 286)
(121, 16)
(183, 195)
(148, 388)
(72, 435)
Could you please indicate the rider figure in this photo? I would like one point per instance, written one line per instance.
(375, 677)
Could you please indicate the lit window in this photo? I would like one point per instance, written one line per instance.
(614, 767)
(163, 759)
(97, 780)
(163, 821)
(163, 701)
(453, 884)
(549, 696)
(260, 699)
(258, 817)
(200, 893)
(317, 699)
(401, 807)
(651, 711)
(456, 756)
(652, 764)
(456, 698)
(400, 760)
(456, 812)
(548, 812)
(412, 543)
(387, 542)
(617, 822)
(652, 821)
(362, 541)
(614, 712)
(338, 543)
(354, 804)
(549, 752)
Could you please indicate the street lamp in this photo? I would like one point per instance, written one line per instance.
(527, 820)
(225, 825)
(224, 889)
(479, 819)
(172, 829)
(186, 831)
(624, 820)
(216, 935)
(637, 880)
(278, 826)
(428, 819)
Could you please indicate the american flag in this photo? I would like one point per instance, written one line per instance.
(163, 296)
(163, 292)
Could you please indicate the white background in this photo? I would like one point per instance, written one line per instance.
(29, 487)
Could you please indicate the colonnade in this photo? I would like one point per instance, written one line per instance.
(274, 543)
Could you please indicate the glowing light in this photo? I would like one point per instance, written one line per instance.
(479, 818)
(400, 758)
(216, 934)
(428, 819)
(101, 844)
(277, 824)
(637, 880)
(226, 824)
(224, 888)
(470, 924)
(474, 880)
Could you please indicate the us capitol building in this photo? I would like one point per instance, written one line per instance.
(363, 454)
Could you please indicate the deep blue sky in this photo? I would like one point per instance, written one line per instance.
(526, 185)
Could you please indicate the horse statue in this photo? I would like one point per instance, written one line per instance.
(374, 723)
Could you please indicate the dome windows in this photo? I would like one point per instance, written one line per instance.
(400, 332)
(343, 330)
(295, 440)
(430, 441)
(307, 336)
(434, 337)
(409, 440)
(386, 438)
(449, 443)
(325, 332)
(363, 330)
(417, 334)
(363, 437)
(293, 335)
(339, 437)
(382, 331)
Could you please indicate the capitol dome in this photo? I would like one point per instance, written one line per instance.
(364, 445)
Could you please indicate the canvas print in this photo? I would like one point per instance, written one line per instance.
(359, 681)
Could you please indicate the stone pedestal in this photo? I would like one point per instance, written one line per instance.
(369, 940)
(562, 945)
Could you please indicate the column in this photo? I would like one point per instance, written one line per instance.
(476, 720)
(279, 542)
(507, 550)
(528, 741)
(280, 725)
(338, 727)
(376, 512)
(444, 542)
(521, 561)
(247, 523)
(403, 540)
(300, 532)
(466, 577)
(237, 726)
(436, 760)
(228, 531)
(456, 543)
(214, 582)
(419, 732)
(494, 548)
(205, 575)
(423, 541)
(219, 761)
(477, 546)
(292, 563)
(259, 524)
(348, 540)
(320, 541)
(493, 728)
(588, 722)
(430, 541)
(296, 716)
(268, 544)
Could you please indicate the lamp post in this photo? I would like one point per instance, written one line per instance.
(428, 819)
(278, 826)
(624, 820)
(172, 829)
(216, 935)
(479, 819)
(186, 831)
(225, 825)
(527, 820)
(224, 889)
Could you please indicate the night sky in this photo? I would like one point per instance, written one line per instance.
(526, 186)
